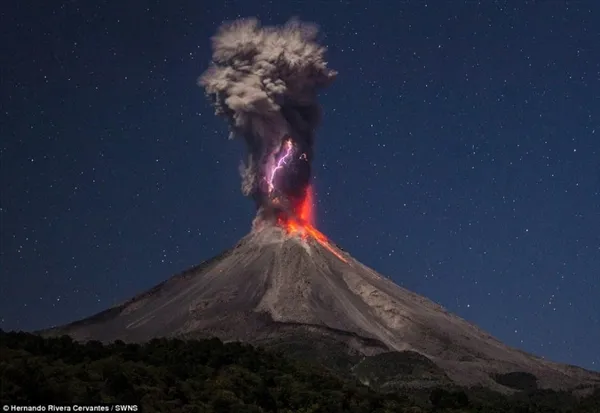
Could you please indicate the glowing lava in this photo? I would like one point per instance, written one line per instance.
(302, 224)
(307, 207)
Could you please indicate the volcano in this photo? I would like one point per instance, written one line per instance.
(288, 287)
(285, 285)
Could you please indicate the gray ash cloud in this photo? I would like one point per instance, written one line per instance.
(264, 81)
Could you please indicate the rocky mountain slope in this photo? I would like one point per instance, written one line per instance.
(284, 292)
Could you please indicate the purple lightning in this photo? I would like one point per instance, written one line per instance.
(280, 163)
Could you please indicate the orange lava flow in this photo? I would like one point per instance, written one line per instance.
(303, 224)
(307, 207)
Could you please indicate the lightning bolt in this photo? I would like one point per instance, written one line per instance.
(280, 164)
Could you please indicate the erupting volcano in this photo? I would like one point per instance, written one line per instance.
(285, 285)
(265, 82)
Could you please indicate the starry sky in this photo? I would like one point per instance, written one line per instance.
(459, 155)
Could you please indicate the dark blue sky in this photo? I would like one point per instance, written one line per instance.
(459, 155)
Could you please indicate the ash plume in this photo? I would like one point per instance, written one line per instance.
(264, 81)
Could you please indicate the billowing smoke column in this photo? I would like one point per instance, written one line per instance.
(265, 80)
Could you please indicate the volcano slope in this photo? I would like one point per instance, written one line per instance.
(279, 290)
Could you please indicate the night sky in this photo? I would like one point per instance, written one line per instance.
(459, 155)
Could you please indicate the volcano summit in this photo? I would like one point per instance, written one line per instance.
(285, 285)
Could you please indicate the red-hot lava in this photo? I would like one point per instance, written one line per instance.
(303, 225)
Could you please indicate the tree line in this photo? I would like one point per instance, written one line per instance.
(209, 376)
